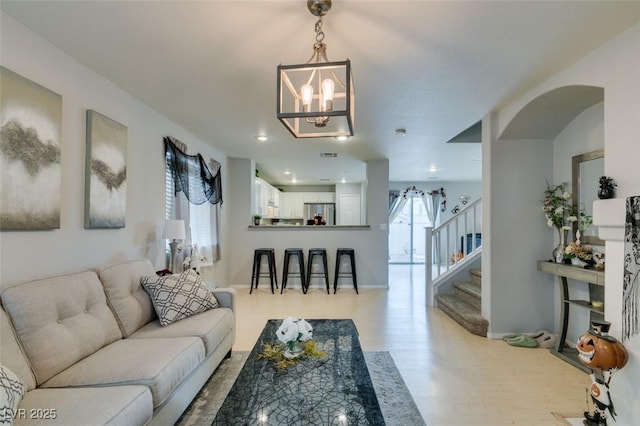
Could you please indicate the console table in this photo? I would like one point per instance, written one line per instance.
(595, 280)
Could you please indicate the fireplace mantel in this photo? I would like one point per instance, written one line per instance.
(609, 217)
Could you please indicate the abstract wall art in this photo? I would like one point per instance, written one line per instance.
(106, 173)
(30, 152)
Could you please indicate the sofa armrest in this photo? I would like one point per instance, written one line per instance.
(226, 297)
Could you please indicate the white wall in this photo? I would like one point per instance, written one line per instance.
(520, 299)
(27, 255)
(615, 67)
(370, 245)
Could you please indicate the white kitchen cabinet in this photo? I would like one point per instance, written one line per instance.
(267, 199)
(318, 197)
(291, 205)
(327, 197)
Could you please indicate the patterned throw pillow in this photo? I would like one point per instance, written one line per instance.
(178, 296)
(12, 389)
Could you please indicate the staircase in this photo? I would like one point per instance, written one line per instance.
(465, 305)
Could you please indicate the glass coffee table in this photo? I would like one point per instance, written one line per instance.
(335, 390)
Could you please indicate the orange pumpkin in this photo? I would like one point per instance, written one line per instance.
(601, 351)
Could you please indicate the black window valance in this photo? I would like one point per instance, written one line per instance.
(192, 176)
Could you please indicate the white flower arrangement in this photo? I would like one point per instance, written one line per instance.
(294, 330)
(557, 207)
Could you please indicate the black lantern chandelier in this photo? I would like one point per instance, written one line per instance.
(316, 99)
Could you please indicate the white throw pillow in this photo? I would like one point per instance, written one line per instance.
(12, 389)
(178, 296)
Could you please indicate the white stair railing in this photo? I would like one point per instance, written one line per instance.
(444, 250)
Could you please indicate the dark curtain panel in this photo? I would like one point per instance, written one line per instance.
(192, 176)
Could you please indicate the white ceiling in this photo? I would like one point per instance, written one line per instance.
(433, 68)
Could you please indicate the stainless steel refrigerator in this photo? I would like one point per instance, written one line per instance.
(326, 210)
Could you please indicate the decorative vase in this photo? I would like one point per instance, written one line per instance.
(293, 350)
(558, 252)
(577, 262)
(605, 192)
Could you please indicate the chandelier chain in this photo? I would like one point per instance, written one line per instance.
(319, 32)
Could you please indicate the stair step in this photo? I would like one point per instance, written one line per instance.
(469, 292)
(476, 276)
(463, 313)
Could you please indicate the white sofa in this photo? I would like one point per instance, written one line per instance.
(91, 351)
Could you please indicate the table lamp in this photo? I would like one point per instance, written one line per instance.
(174, 231)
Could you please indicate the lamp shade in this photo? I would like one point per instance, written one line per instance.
(174, 230)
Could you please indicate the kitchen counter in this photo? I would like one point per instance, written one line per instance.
(310, 227)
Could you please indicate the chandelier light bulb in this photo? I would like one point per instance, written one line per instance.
(307, 96)
(328, 87)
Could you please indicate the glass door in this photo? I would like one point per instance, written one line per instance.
(406, 233)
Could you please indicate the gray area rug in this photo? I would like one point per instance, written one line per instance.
(396, 403)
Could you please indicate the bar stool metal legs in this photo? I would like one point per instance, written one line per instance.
(285, 271)
(271, 264)
(345, 252)
(325, 270)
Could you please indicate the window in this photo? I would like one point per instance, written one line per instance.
(201, 220)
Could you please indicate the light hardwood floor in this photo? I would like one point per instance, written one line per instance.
(455, 378)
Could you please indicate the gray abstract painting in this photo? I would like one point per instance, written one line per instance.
(106, 173)
(30, 148)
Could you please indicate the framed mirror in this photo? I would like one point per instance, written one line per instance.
(586, 170)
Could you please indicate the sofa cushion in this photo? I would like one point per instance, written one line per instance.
(60, 320)
(11, 392)
(160, 364)
(211, 327)
(178, 296)
(114, 406)
(11, 354)
(129, 301)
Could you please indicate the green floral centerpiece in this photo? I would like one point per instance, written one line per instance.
(560, 214)
(296, 337)
(579, 254)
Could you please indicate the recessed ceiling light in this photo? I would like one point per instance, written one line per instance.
(401, 132)
(287, 172)
(433, 169)
(262, 138)
(342, 138)
(343, 180)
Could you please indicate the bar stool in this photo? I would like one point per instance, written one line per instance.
(345, 252)
(257, 264)
(285, 272)
(324, 273)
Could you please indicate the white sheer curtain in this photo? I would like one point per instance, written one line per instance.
(397, 206)
(432, 205)
(432, 202)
